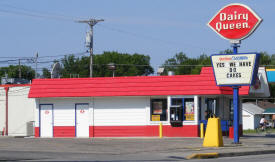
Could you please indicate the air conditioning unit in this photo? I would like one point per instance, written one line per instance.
(30, 128)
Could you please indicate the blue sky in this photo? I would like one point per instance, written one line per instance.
(158, 28)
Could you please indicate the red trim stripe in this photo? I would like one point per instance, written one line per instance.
(128, 131)
(36, 132)
(64, 131)
(146, 131)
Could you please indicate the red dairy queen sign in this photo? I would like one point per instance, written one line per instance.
(235, 22)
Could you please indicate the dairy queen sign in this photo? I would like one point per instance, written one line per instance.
(235, 22)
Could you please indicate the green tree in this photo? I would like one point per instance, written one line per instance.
(73, 65)
(46, 73)
(13, 72)
(265, 59)
(181, 64)
(227, 51)
(126, 65)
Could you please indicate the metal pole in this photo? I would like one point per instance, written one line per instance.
(91, 52)
(236, 103)
(36, 57)
(91, 23)
(236, 114)
(7, 111)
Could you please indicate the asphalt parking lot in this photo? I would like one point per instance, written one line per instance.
(123, 149)
(98, 149)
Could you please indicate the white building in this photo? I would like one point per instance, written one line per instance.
(251, 115)
(20, 110)
(128, 106)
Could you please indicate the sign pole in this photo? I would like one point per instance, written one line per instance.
(236, 114)
(236, 103)
(235, 47)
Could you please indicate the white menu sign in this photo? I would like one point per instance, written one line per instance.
(234, 69)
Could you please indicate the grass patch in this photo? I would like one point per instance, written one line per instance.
(251, 131)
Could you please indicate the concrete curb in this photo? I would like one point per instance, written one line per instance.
(203, 155)
(260, 152)
(229, 154)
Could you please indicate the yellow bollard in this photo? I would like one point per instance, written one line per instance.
(202, 130)
(160, 130)
(213, 134)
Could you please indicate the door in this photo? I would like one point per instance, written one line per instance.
(82, 120)
(46, 120)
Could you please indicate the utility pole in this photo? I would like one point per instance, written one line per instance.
(89, 39)
(36, 57)
(19, 69)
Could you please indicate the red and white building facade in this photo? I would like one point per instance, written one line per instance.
(128, 106)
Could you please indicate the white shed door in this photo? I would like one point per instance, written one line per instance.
(46, 120)
(82, 120)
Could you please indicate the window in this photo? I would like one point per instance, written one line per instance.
(231, 117)
(200, 113)
(211, 107)
(176, 101)
(185, 107)
(158, 109)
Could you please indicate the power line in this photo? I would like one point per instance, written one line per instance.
(34, 13)
(49, 56)
(110, 28)
(47, 15)
(25, 14)
(164, 65)
(152, 38)
(75, 54)
(28, 61)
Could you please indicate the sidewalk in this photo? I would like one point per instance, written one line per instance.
(252, 144)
